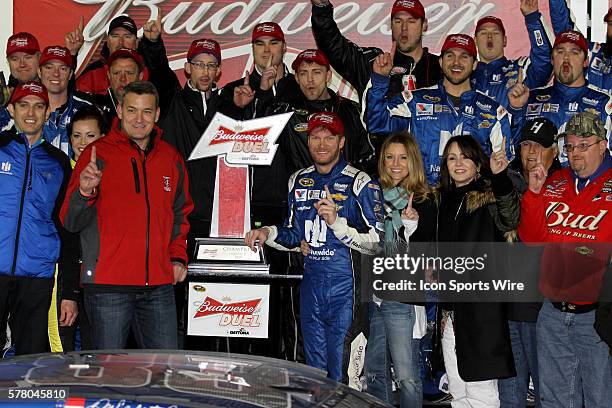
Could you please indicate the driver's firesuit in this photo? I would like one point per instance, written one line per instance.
(331, 277)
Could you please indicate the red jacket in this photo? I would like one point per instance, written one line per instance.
(94, 79)
(580, 224)
(136, 223)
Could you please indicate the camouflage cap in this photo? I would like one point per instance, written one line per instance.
(585, 124)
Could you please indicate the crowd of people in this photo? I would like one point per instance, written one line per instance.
(100, 208)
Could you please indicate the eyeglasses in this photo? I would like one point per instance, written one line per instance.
(582, 147)
(211, 66)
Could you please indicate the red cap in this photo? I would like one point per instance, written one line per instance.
(608, 15)
(328, 120)
(463, 41)
(413, 7)
(126, 53)
(56, 52)
(204, 46)
(310, 55)
(574, 37)
(22, 42)
(30, 88)
(491, 19)
(268, 29)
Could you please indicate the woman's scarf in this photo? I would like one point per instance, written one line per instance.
(396, 199)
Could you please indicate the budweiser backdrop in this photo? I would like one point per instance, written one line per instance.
(231, 22)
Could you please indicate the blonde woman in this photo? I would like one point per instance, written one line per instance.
(396, 328)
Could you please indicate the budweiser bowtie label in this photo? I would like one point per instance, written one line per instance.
(230, 23)
(249, 142)
(222, 309)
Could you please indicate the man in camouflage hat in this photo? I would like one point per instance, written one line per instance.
(572, 211)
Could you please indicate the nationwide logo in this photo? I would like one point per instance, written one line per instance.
(592, 102)
(484, 106)
(211, 306)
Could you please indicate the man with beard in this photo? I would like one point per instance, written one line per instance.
(437, 113)
(494, 73)
(570, 211)
(413, 65)
(600, 62)
(313, 74)
(570, 93)
(336, 209)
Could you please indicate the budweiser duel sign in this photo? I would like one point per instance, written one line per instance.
(365, 22)
(228, 310)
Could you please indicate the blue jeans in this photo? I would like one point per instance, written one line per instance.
(151, 314)
(573, 362)
(391, 340)
(513, 391)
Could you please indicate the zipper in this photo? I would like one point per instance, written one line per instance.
(136, 176)
(146, 192)
(23, 191)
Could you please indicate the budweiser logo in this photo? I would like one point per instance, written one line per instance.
(558, 214)
(229, 21)
(19, 42)
(224, 135)
(211, 306)
(60, 52)
(33, 87)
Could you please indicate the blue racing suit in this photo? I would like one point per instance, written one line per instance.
(497, 77)
(55, 131)
(559, 103)
(331, 278)
(431, 116)
(599, 72)
(6, 122)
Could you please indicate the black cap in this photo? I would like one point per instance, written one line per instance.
(539, 130)
(125, 22)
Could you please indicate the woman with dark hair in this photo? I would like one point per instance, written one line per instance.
(396, 328)
(87, 125)
(477, 205)
(67, 311)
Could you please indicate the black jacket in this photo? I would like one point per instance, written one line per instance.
(478, 213)
(268, 183)
(354, 63)
(293, 142)
(184, 118)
